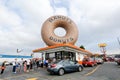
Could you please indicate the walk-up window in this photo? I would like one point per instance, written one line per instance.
(61, 55)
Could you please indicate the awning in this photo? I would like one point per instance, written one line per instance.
(62, 47)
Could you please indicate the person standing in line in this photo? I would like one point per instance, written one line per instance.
(41, 63)
(37, 63)
(14, 66)
(18, 67)
(34, 63)
(21, 65)
(31, 64)
(3, 67)
(25, 66)
(46, 63)
(54, 60)
(28, 65)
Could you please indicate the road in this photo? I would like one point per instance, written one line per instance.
(42, 74)
(107, 71)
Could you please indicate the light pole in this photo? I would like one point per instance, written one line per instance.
(32, 55)
(18, 51)
(103, 49)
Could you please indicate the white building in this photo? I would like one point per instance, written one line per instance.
(61, 51)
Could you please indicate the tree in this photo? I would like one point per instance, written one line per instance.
(82, 47)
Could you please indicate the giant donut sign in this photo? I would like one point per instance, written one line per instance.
(48, 27)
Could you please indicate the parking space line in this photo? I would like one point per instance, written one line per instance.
(32, 79)
(18, 75)
(89, 73)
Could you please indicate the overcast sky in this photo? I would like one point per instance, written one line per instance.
(98, 21)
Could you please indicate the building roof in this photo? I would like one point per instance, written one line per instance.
(61, 47)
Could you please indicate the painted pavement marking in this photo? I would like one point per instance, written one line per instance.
(89, 73)
(32, 79)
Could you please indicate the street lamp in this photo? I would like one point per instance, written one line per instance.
(18, 51)
(32, 55)
(103, 49)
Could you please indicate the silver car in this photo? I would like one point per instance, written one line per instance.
(63, 66)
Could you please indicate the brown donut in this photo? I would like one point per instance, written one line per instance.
(48, 27)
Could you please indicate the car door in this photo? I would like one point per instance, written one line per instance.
(67, 66)
(73, 66)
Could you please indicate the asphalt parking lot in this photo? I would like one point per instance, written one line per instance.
(42, 74)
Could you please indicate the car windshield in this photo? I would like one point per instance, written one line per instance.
(61, 61)
(117, 56)
(57, 62)
(91, 59)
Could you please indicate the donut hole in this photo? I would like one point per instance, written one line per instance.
(60, 31)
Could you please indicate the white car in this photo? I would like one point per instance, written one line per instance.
(99, 61)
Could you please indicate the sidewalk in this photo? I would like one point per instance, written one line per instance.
(9, 74)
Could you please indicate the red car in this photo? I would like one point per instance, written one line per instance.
(89, 62)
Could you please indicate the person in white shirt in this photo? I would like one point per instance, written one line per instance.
(21, 64)
(28, 65)
(14, 66)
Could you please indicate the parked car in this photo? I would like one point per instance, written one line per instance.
(63, 66)
(99, 61)
(117, 59)
(89, 62)
(110, 59)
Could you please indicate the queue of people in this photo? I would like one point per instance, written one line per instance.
(26, 65)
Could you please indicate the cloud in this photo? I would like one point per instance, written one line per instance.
(97, 22)
(21, 22)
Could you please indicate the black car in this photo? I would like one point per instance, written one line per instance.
(63, 66)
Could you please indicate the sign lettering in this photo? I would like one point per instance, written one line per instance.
(61, 40)
(60, 17)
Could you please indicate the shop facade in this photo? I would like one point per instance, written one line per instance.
(63, 51)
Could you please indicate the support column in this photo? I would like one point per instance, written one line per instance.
(61, 55)
(56, 55)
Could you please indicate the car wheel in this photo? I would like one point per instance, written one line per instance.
(79, 68)
(61, 72)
